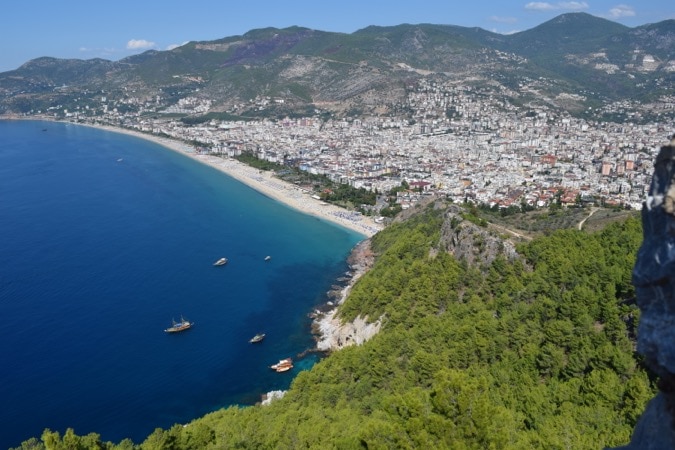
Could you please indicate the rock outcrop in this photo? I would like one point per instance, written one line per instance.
(654, 281)
(465, 240)
(472, 243)
(334, 334)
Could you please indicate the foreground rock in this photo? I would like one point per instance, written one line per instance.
(654, 280)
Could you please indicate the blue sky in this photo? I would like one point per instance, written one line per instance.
(112, 30)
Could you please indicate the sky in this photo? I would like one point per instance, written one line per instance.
(112, 30)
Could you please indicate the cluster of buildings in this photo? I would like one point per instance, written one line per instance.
(465, 143)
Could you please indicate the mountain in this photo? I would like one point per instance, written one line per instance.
(566, 34)
(368, 71)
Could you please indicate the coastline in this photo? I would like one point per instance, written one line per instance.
(264, 182)
(334, 334)
(331, 334)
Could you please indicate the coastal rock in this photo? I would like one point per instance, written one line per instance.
(336, 335)
(332, 333)
(271, 396)
(654, 281)
(360, 260)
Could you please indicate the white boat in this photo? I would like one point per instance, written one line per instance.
(257, 338)
(220, 262)
(267, 258)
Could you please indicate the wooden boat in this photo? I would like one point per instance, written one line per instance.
(220, 262)
(179, 326)
(283, 365)
(257, 338)
(284, 368)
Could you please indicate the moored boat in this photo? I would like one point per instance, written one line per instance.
(179, 326)
(283, 365)
(257, 338)
(220, 262)
(284, 368)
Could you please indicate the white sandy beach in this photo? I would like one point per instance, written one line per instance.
(266, 183)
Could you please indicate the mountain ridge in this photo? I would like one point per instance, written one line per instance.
(364, 72)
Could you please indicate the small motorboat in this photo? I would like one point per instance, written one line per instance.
(257, 338)
(267, 258)
(220, 262)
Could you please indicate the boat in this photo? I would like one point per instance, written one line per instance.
(283, 365)
(284, 368)
(267, 258)
(220, 262)
(179, 326)
(257, 338)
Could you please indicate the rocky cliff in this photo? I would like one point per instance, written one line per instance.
(654, 280)
(470, 241)
(335, 334)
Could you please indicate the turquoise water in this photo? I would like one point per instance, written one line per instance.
(105, 239)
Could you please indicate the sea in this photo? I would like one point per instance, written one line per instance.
(106, 238)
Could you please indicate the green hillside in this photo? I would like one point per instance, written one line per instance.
(535, 352)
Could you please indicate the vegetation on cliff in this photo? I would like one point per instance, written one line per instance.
(531, 352)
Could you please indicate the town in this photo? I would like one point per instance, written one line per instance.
(463, 142)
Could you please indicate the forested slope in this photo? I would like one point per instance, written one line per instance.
(526, 353)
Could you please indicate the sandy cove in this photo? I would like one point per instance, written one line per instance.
(266, 183)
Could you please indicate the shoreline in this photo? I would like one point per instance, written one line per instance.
(262, 181)
(334, 334)
(329, 332)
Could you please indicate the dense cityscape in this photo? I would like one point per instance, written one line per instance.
(465, 143)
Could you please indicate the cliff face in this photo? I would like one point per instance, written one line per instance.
(654, 280)
(472, 243)
(463, 239)
(333, 334)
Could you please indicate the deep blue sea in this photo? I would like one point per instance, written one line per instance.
(104, 239)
